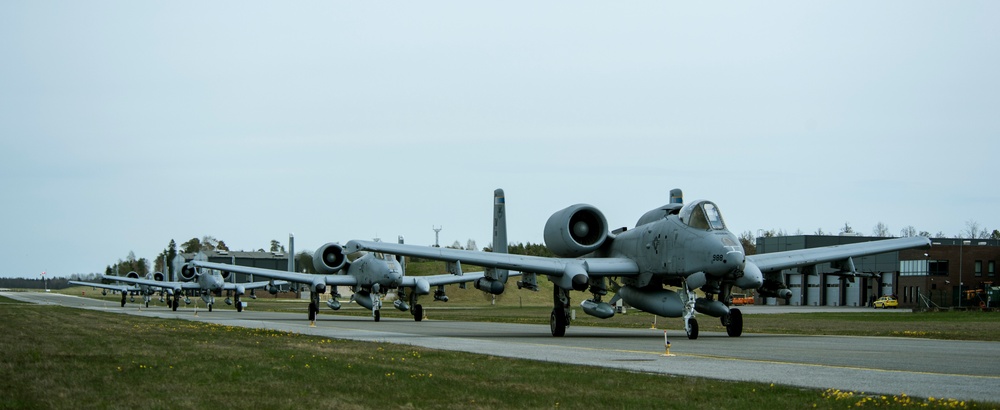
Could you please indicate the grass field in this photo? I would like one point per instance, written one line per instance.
(57, 357)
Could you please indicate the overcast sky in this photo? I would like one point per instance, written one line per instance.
(127, 124)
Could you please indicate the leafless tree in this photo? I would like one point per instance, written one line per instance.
(881, 230)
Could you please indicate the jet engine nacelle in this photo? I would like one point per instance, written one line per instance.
(225, 274)
(575, 231)
(662, 302)
(188, 272)
(159, 277)
(132, 275)
(329, 259)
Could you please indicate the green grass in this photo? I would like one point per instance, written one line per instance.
(57, 357)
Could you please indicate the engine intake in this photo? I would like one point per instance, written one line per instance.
(329, 259)
(188, 272)
(576, 231)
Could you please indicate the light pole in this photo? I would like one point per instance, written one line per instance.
(961, 254)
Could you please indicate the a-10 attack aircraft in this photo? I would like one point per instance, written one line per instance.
(146, 291)
(370, 275)
(685, 246)
(206, 283)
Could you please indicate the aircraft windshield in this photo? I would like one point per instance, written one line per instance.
(704, 215)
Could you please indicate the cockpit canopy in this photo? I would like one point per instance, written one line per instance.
(702, 215)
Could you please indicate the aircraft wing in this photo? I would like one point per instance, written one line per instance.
(154, 283)
(776, 261)
(253, 285)
(555, 267)
(307, 278)
(120, 288)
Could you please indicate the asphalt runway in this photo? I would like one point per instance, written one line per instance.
(964, 370)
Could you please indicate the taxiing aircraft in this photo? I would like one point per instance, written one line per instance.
(206, 283)
(146, 291)
(685, 246)
(370, 275)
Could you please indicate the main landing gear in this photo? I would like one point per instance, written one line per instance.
(559, 319)
(733, 323)
(691, 328)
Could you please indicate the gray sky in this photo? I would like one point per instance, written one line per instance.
(127, 124)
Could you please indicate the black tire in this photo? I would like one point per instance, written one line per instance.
(418, 313)
(210, 307)
(692, 332)
(239, 306)
(313, 309)
(147, 305)
(735, 327)
(378, 315)
(176, 303)
(557, 322)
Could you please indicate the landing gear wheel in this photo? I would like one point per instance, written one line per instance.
(418, 313)
(735, 326)
(147, 305)
(313, 309)
(123, 301)
(378, 315)
(692, 330)
(176, 304)
(239, 306)
(557, 322)
(209, 307)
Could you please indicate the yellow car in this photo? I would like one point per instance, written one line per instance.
(886, 302)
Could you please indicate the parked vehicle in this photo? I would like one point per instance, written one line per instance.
(886, 302)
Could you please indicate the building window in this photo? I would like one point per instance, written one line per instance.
(991, 269)
(979, 268)
(913, 267)
(937, 268)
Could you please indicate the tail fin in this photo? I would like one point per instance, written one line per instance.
(499, 232)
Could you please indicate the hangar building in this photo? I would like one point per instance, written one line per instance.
(917, 277)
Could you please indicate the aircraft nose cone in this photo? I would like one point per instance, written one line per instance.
(736, 259)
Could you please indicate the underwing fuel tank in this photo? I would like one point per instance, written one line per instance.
(364, 299)
(333, 304)
(597, 309)
(400, 305)
(488, 285)
(712, 308)
(662, 302)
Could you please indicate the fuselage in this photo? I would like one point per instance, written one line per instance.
(379, 268)
(211, 281)
(680, 244)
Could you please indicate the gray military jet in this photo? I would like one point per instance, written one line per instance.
(206, 283)
(146, 291)
(370, 275)
(683, 246)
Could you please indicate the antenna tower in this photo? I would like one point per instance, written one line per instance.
(437, 232)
